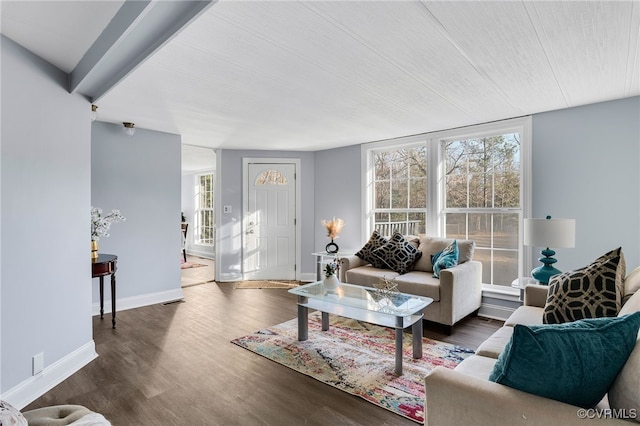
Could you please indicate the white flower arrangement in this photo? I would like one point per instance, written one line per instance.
(100, 224)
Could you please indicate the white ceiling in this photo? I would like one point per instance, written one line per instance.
(313, 75)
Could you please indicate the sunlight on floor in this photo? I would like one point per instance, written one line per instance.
(200, 275)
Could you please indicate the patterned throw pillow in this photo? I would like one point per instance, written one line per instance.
(366, 252)
(447, 258)
(589, 292)
(398, 254)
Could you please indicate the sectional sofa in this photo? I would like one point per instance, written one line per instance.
(466, 396)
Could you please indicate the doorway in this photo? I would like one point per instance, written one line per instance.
(269, 223)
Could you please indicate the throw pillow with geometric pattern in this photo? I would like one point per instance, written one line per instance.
(589, 292)
(398, 254)
(366, 252)
(621, 272)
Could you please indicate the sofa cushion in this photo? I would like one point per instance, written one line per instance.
(368, 275)
(476, 366)
(398, 254)
(589, 292)
(432, 245)
(525, 315)
(419, 283)
(623, 394)
(447, 258)
(631, 285)
(574, 362)
(366, 252)
(495, 344)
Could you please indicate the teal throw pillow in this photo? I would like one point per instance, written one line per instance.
(573, 362)
(447, 258)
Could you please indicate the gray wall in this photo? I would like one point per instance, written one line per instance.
(338, 193)
(140, 176)
(45, 268)
(586, 166)
(229, 166)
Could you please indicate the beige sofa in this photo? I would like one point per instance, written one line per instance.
(456, 294)
(465, 396)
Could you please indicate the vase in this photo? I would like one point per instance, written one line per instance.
(94, 249)
(330, 283)
(331, 248)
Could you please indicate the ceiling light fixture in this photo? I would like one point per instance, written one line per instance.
(94, 112)
(129, 128)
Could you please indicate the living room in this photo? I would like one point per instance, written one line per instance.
(56, 164)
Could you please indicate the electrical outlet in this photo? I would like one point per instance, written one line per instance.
(38, 363)
(226, 209)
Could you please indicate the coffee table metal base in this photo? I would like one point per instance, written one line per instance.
(400, 324)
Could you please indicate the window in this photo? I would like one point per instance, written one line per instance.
(204, 229)
(481, 189)
(400, 189)
(468, 183)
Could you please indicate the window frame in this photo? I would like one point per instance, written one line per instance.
(435, 215)
(197, 229)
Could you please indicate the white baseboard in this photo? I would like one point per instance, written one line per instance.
(495, 311)
(31, 389)
(139, 301)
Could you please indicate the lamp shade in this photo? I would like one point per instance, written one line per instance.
(555, 233)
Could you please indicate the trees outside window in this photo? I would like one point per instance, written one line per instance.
(400, 189)
(482, 200)
(466, 183)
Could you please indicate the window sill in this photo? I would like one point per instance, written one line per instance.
(501, 292)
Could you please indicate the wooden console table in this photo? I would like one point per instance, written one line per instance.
(106, 264)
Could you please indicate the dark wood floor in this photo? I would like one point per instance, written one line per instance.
(173, 364)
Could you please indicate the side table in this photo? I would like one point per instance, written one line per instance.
(106, 264)
(322, 258)
(521, 283)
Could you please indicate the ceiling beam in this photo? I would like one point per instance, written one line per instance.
(137, 30)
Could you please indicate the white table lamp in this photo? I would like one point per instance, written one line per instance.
(548, 232)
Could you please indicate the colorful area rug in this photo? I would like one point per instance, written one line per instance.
(358, 358)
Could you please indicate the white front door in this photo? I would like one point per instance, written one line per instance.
(269, 222)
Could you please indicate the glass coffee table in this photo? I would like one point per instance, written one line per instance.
(395, 310)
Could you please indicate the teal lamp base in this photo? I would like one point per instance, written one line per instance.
(544, 272)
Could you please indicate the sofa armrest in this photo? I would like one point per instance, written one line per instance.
(535, 295)
(349, 262)
(454, 398)
(461, 290)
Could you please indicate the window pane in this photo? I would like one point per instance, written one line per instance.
(480, 190)
(399, 195)
(505, 230)
(505, 267)
(456, 226)
(400, 184)
(456, 191)
(480, 229)
(418, 191)
(382, 195)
